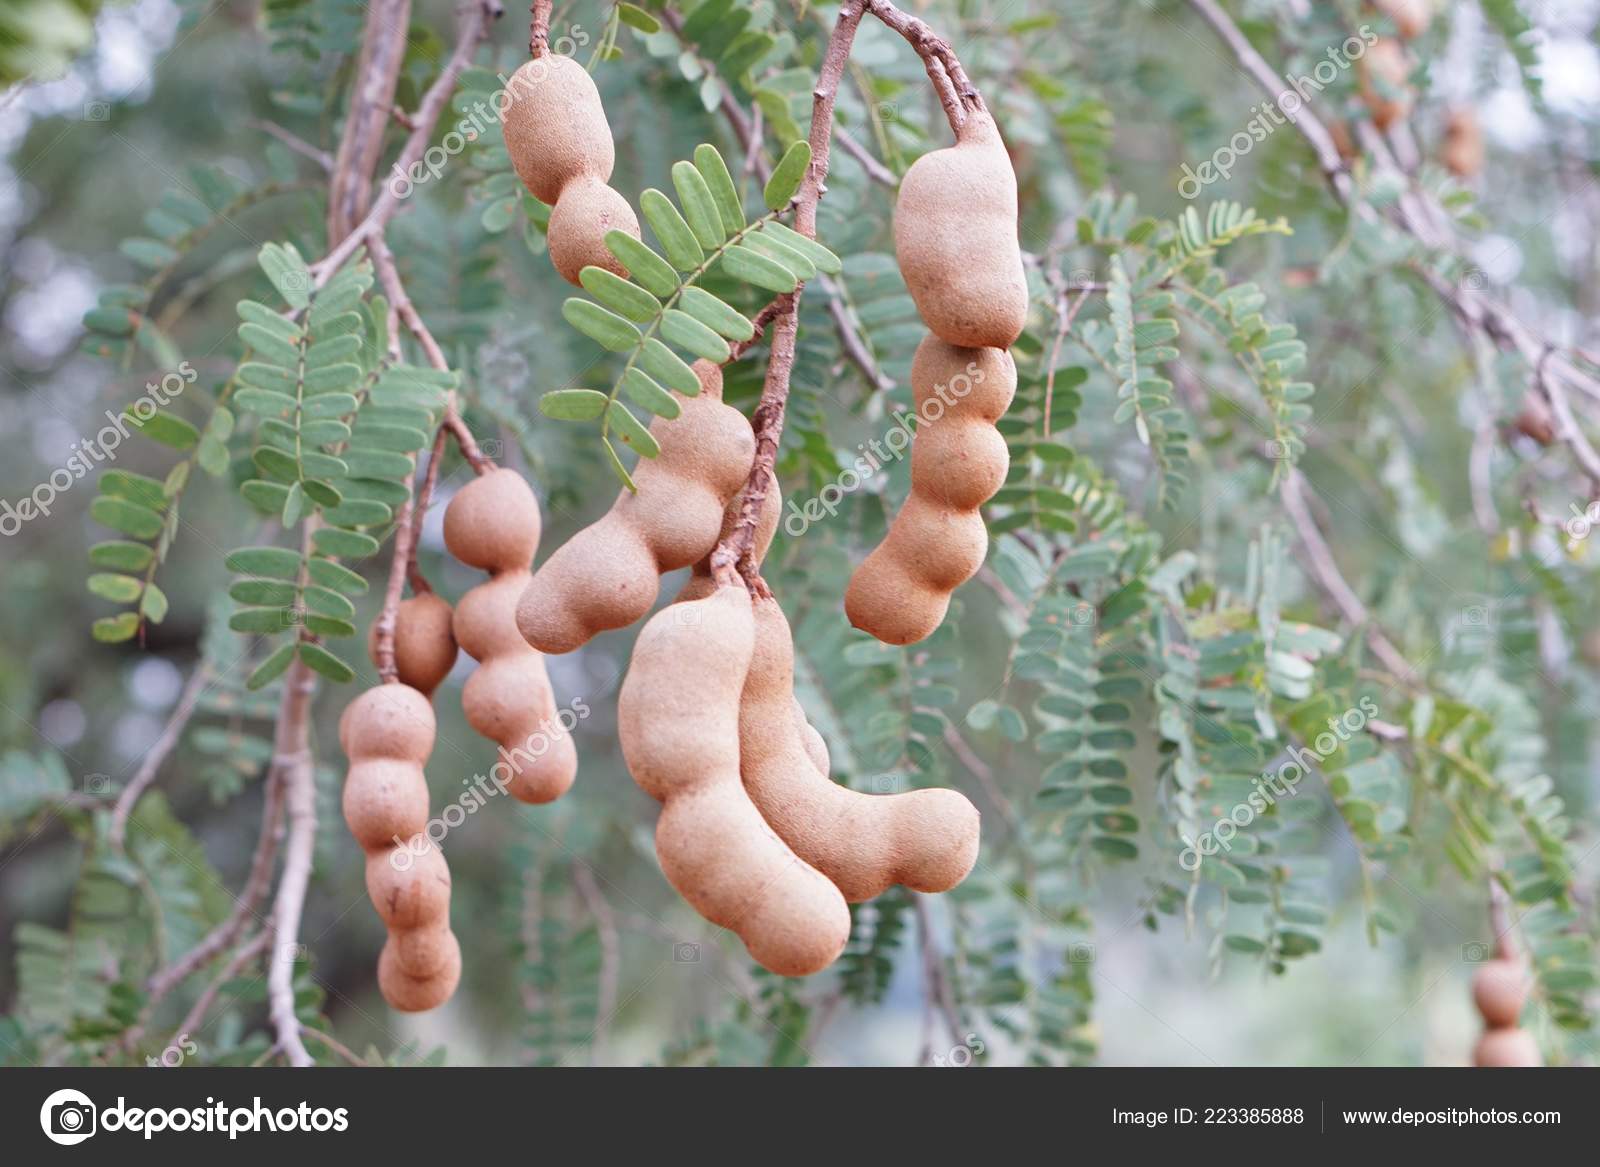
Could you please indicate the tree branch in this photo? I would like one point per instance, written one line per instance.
(383, 51)
(158, 753)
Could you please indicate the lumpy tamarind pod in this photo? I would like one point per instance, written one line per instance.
(388, 733)
(608, 574)
(1499, 1048)
(955, 238)
(1500, 990)
(678, 722)
(416, 994)
(586, 210)
(494, 523)
(814, 744)
(424, 645)
(1463, 144)
(555, 126)
(937, 542)
(1384, 73)
(865, 843)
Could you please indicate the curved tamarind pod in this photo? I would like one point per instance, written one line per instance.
(555, 126)
(814, 744)
(388, 733)
(1500, 990)
(586, 210)
(1383, 76)
(424, 645)
(608, 574)
(865, 843)
(937, 542)
(955, 238)
(1507, 1047)
(493, 523)
(678, 722)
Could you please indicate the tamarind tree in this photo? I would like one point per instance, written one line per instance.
(1278, 660)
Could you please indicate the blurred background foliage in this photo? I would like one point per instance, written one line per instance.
(1147, 639)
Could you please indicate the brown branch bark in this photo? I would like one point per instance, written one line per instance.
(539, 28)
(383, 50)
(158, 754)
(192, 1020)
(472, 27)
(292, 749)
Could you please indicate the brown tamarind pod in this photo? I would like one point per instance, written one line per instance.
(1463, 143)
(493, 523)
(560, 144)
(1500, 1048)
(814, 744)
(1384, 73)
(587, 209)
(424, 645)
(608, 574)
(1411, 17)
(865, 843)
(678, 722)
(388, 733)
(955, 238)
(555, 126)
(1500, 990)
(937, 542)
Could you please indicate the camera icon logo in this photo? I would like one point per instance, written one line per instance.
(68, 1117)
(97, 111)
(685, 952)
(1475, 952)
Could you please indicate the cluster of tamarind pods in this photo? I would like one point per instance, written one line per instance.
(752, 832)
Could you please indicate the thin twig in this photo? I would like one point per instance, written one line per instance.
(299, 145)
(292, 746)
(158, 753)
(875, 169)
(383, 52)
(193, 1019)
(539, 28)
(1333, 583)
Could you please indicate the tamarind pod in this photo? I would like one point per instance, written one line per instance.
(678, 722)
(424, 646)
(1500, 990)
(555, 126)
(814, 744)
(493, 522)
(1463, 152)
(411, 889)
(1383, 76)
(384, 799)
(508, 698)
(388, 733)
(608, 575)
(418, 994)
(937, 542)
(926, 840)
(586, 210)
(1505, 1048)
(955, 238)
